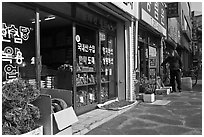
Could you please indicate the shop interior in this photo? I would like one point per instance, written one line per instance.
(56, 50)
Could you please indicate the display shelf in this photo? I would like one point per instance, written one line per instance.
(89, 84)
(85, 72)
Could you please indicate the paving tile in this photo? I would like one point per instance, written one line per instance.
(161, 119)
(194, 121)
(172, 130)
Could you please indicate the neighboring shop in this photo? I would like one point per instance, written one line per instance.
(70, 46)
(152, 31)
(131, 32)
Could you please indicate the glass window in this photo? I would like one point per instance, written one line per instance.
(62, 7)
(56, 51)
(18, 45)
(86, 66)
(107, 67)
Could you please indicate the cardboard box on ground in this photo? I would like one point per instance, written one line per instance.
(60, 122)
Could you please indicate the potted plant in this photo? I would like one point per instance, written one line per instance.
(147, 87)
(18, 112)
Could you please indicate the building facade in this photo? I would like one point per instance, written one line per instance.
(197, 39)
(185, 49)
(179, 30)
(131, 32)
(86, 48)
(152, 30)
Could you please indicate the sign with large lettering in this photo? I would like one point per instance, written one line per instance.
(12, 56)
(129, 7)
(172, 10)
(173, 29)
(94, 19)
(154, 13)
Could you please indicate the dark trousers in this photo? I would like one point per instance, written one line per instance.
(175, 75)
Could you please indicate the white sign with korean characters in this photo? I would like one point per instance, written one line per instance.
(152, 22)
(12, 56)
(154, 13)
(129, 7)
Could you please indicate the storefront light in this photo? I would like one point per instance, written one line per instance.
(50, 18)
(33, 21)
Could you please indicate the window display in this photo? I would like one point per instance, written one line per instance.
(107, 67)
(18, 45)
(86, 82)
(71, 55)
(56, 50)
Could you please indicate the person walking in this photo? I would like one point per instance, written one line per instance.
(175, 65)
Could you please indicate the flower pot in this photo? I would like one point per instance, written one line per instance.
(163, 91)
(149, 97)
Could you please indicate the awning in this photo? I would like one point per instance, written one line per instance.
(170, 44)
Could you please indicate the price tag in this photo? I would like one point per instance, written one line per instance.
(110, 72)
(81, 99)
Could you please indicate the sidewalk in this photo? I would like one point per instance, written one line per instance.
(95, 118)
(173, 114)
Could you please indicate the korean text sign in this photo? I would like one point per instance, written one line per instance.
(12, 56)
(154, 13)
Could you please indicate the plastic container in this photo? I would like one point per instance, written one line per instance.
(186, 83)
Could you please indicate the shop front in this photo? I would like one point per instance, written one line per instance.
(152, 31)
(66, 46)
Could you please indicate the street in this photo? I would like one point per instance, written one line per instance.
(181, 116)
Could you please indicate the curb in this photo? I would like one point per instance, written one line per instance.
(98, 123)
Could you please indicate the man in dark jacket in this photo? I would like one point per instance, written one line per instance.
(175, 66)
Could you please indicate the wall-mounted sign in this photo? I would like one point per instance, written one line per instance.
(173, 29)
(152, 62)
(154, 13)
(95, 19)
(172, 10)
(152, 51)
(129, 7)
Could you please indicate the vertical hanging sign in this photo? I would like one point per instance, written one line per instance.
(172, 10)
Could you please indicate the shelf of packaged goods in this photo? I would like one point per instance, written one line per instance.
(86, 72)
(89, 84)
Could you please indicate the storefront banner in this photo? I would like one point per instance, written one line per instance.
(154, 13)
(152, 22)
(129, 7)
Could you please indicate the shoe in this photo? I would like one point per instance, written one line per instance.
(179, 90)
